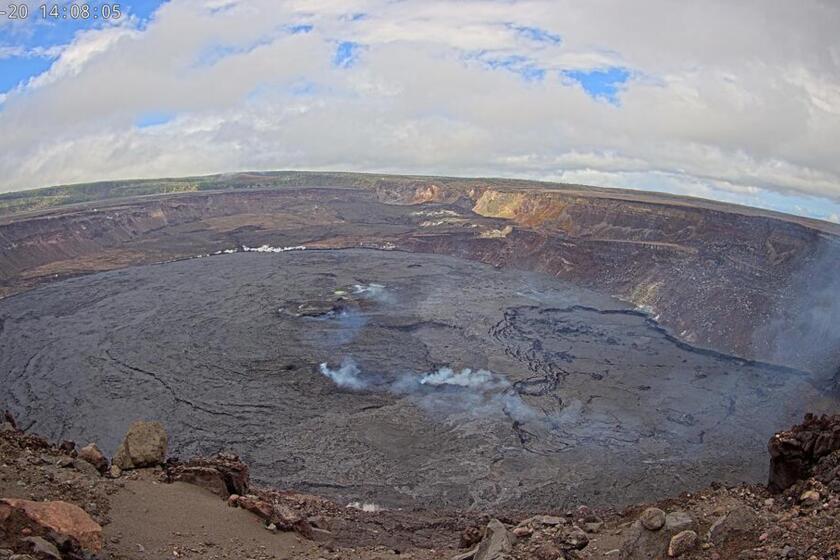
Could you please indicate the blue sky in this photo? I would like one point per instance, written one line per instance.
(600, 83)
(34, 41)
(740, 104)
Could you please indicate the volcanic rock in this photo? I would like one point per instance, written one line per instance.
(677, 521)
(470, 536)
(143, 446)
(496, 543)
(280, 515)
(223, 474)
(652, 519)
(737, 522)
(575, 538)
(85, 468)
(809, 498)
(58, 517)
(67, 446)
(287, 519)
(41, 548)
(681, 543)
(465, 555)
(522, 531)
(593, 526)
(94, 456)
(643, 543)
(258, 507)
(794, 452)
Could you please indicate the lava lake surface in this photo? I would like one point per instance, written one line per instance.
(396, 378)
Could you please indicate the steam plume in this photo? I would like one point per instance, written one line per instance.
(376, 292)
(444, 391)
(346, 376)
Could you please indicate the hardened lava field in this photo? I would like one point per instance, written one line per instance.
(393, 377)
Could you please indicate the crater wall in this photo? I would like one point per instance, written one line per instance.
(753, 283)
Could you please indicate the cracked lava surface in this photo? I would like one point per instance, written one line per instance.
(582, 395)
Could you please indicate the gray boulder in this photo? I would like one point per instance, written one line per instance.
(738, 522)
(143, 446)
(682, 542)
(678, 521)
(652, 519)
(496, 543)
(640, 543)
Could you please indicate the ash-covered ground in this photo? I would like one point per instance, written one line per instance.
(395, 378)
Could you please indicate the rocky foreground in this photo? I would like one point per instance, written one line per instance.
(63, 502)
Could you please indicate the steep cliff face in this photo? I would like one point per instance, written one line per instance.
(714, 275)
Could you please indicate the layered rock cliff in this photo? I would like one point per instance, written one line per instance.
(734, 279)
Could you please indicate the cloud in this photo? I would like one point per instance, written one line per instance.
(734, 100)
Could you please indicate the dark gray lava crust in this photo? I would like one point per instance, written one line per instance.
(582, 397)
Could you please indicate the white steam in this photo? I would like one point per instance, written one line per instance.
(270, 249)
(346, 376)
(376, 292)
(480, 379)
(442, 392)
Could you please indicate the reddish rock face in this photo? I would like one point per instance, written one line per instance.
(793, 453)
(60, 517)
(223, 474)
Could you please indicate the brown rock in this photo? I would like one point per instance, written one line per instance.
(682, 543)
(738, 522)
(793, 453)
(548, 551)
(809, 498)
(522, 531)
(652, 519)
(59, 517)
(288, 519)
(143, 446)
(94, 456)
(574, 538)
(256, 506)
(9, 418)
(67, 446)
(223, 474)
(470, 537)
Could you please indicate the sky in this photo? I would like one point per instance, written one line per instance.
(731, 101)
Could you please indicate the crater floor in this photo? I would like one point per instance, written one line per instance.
(571, 395)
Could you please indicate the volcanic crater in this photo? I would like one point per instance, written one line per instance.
(424, 342)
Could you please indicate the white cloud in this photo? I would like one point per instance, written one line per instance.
(736, 97)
